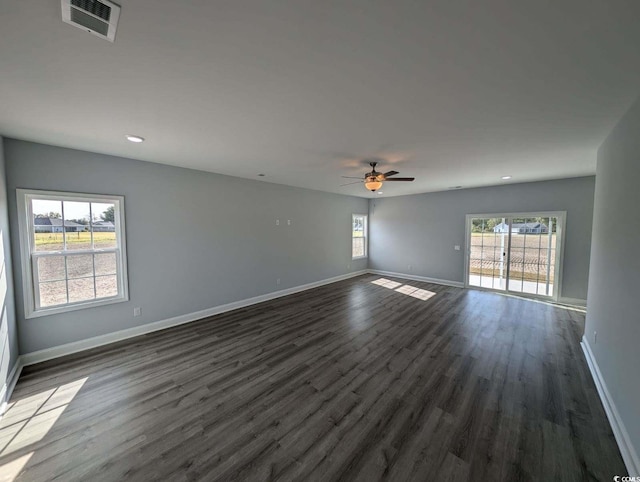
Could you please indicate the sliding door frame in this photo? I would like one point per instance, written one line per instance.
(559, 262)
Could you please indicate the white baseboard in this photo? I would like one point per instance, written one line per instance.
(437, 281)
(74, 347)
(9, 385)
(629, 454)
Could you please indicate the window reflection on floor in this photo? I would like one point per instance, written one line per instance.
(409, 290)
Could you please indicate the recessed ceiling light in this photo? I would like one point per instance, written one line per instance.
(505, 178)
(380, 192)
(136, 139)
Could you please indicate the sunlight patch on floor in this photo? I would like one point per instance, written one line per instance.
(418, 293)
(387, 283)
(28, 420)
(10, 470)
(409, 290)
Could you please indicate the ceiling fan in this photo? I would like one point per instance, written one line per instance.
(373, 180)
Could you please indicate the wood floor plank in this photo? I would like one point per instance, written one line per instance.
(349, 381)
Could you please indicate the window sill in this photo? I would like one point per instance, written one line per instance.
(359, 257)
(78, 306)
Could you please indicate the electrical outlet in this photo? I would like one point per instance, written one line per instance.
(595, 337)
(348, 265)
(137, 311)
(288, 222)
(277, 222)
(278, 281)
(409, 267)
(457, 247)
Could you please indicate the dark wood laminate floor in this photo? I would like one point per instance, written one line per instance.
(351, 381)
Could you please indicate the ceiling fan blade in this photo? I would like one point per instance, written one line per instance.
(390, 173)
(350, 183)
(401, 179)
(352, 177)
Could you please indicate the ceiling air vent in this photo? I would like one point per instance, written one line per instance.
(97, 17)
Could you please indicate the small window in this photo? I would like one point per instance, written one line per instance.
(359, 236)
(73, 251)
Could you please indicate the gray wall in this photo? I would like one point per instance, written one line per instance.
(614, 280)
(8, 331)
(421, 230)
(195, 240)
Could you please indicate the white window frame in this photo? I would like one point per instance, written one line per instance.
(365, 232)
(30, 287)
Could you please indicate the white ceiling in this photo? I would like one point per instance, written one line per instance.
(451, 92)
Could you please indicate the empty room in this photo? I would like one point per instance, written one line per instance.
(361, 240)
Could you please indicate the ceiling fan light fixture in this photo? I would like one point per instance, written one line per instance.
(372, 183)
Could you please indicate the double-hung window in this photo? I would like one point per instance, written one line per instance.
(359, 236)
(73, 251)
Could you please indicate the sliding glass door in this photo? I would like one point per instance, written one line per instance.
(487, 265)
(516, 253)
